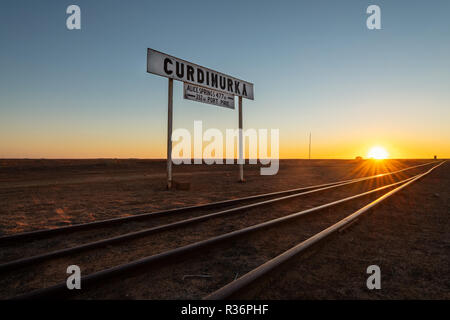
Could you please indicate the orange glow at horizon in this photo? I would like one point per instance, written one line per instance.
(151, 144)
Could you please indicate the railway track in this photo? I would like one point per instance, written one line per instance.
(37, 234)
(234, 287)
(269, 199)
(134, 227)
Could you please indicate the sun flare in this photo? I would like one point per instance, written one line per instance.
(378, 153)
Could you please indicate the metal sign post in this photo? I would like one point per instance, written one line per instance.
(241, 144)
(309, 146)
(169, 133)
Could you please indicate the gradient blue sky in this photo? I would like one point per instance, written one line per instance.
(315, 66)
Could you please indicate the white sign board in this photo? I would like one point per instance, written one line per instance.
(167, 66)
(205, 95)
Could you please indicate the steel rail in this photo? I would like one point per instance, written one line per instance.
(10, 265)
(95, 224)
(60, 289)
(242, 282)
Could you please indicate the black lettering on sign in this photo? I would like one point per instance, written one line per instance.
(200, 76)
(166, 62)
(236, 87)
(223, 84)
(207, 78)
(213, 80)
(180, 73)
(244, 91)
(190, 73)
(230, 85)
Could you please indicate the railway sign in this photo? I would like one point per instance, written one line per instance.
(200, 84)
(205, 95)
(170, 67)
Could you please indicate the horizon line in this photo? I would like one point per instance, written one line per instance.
(224, 159)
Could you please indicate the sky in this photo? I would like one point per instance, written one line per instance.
(315, 66)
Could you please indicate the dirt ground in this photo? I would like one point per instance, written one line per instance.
(408, 236)
(39, 194)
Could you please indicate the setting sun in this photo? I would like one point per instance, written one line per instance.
(378, 153)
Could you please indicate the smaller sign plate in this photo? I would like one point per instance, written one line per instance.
(206, 95)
